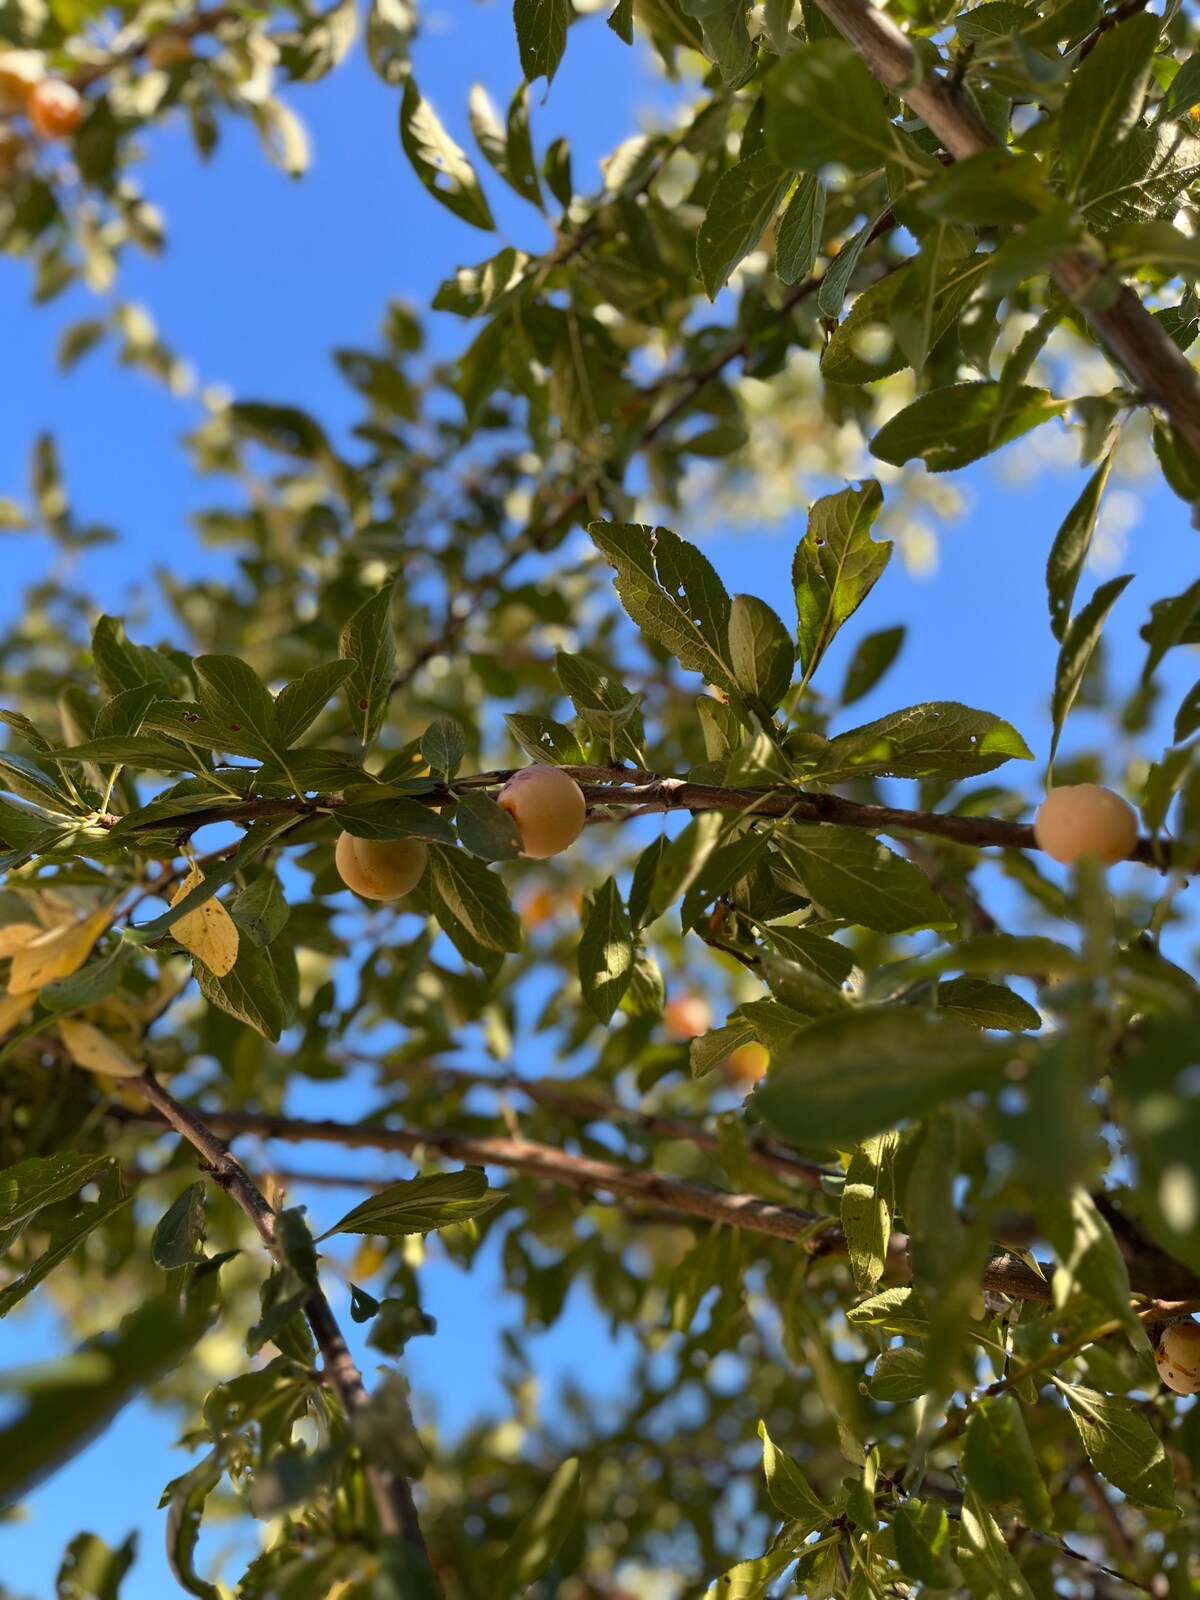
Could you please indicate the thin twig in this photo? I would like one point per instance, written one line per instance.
(192, 27)
(391, 1493)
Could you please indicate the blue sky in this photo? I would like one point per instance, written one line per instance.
(261, 278)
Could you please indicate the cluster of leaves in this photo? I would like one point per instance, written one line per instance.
(168, 815)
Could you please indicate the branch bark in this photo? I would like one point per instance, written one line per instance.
(818, 1235)
(1163, 372)
(624, 790)
(392, 1495)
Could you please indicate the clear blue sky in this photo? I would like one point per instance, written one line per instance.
(261, 278)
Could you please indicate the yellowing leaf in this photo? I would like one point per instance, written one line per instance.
(57, 953)
(12, 1008)
(209, 932)
(14, 935)
(90, 1048)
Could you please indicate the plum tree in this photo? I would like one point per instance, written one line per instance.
(848, 1148)
(380, 869)
(1085, 819)
(548, 808)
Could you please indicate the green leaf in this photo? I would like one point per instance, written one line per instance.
(835, 567)
(823, 105)
(864, 348)
(984, 1558)
(261, 909)
(1080, 639)
(119, 664)
(790, 1492)
(180, 1231)
(486, 828)
(938, 739)
(986, 1005)
(858, 1073)
(800, 230)
(507, 149)
(866, 1208)
(606, 952)
(708, 1050)
(368, 642)
(991, 188)
(922, 1534)
(952, 426)
(475, 898)
(91, 1571)
(54, 1422)
(184, 1498)
(94, 982)
(870, 661)
(1104, 97)
(545, 740)
(899, 1375)
(217, 874)
(998, 1459)
(393, 818)
(1090, 1259)
(836, 279)
(286, 429)
(249, 991)
(442, 165)
(1184, 91)
(761, 652)
(620, 20)
(725, 33)
(921, 309)
(443, 745)
(1071, 545)
(239, 706)
(541, 36)
(1172, 622)
(540, 1533)
(742, 204)
(421, 1205)
(65, 1239)
(1123, 1446)
(299, 703)
(29, 1186)
(673, 594)
(860, 881)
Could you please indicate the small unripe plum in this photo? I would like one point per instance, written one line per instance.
(168, 49)
(1178, 1357)
(1085, 819)
(548, 808)
(55, 109)
(20, 70)
(686, 1016)
(380, 869)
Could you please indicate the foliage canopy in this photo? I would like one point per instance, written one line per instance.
(895, 1308)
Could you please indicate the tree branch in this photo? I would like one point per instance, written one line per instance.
(562, 1095)
(192, 27)
(645, 792)
(1114, 311)
(818, 1235)
(391, 1494)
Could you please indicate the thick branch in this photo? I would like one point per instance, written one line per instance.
(624, 790)
(392, 1495)
(816, 1234)
(1142, 347)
